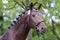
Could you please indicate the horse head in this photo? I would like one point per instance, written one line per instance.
(36, 19)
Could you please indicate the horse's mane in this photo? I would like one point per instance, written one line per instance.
(17, 19)
(14, 22)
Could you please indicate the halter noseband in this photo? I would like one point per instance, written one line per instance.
(39, 23)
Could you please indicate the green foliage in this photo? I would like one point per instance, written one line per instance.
(1, 4)
(11, 10)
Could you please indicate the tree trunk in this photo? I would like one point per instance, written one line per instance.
(1, 23)
(29, 35)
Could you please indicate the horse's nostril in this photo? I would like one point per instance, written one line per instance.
(36, 28)
(43, 30)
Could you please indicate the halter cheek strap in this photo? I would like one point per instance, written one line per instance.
(36, 24)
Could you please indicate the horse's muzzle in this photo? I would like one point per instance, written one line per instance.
(42, 31)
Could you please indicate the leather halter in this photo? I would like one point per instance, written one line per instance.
(30, 19)
(36, 24)
(39, 23)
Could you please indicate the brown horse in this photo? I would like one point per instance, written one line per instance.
(31, 18)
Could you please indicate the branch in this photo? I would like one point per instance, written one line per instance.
(53, 30)
(35, 3)
(18, 4)
(11, 7)
(23, 3)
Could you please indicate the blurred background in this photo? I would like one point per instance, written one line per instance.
(10, 9)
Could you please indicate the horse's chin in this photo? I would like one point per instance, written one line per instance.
(40, 32)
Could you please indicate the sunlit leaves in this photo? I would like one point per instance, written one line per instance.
(58, 6)
(1, 4)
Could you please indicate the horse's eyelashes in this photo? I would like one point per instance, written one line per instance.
(36, 9)
(33, 15)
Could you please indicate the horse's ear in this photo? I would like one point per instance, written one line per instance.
(31, 6)
(39, 6)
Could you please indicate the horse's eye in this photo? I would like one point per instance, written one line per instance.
(33, 15)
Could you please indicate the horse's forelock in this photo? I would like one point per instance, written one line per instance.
(28, 12)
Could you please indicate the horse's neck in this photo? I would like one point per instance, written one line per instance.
(22, 33)
(19, 31)
(10, 33)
